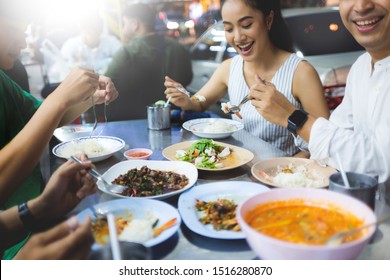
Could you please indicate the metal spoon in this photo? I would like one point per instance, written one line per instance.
(117, 189)
(182, 90)
(338, 238)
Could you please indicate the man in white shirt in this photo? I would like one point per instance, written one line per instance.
(91, 49)
(359, 129)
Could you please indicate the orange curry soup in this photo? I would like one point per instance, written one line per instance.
(299, 222)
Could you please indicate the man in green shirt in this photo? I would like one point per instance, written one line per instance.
(26, 124)
(139, 68)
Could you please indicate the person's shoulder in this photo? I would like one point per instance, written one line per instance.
(226, 64)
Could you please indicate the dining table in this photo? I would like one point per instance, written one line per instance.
(185, 244)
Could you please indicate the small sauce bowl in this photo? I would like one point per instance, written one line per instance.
(138, 153)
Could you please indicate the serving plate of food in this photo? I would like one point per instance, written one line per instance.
(97, 148)
(214, 128)
(200, 207)
(207, 154)
(150, 178)
(289, 172)
(145, 221)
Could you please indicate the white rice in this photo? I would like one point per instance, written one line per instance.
(300, 177)
(138, 231)
(90, 147)
(219, 126)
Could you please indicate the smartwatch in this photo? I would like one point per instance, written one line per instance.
(296, 120)
(27, 218)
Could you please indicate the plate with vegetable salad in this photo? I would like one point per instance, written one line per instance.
(207, 154)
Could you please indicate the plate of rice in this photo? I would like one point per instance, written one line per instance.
(97, 148)
(288, 172)
(213, 127)
(135, 219)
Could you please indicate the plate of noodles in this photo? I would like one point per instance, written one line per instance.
(289, 172)
(215, 128)
(97, 148)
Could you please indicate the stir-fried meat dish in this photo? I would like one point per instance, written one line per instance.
(149, 182)
(221, 214)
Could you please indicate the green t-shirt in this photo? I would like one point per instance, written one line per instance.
(16, 109)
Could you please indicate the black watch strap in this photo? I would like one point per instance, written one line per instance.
(27, 218)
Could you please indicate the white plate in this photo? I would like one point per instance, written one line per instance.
(270, 167)
(197, 127)
(238, 157)
(123, 167)
(110, 145)
(70, 132)
(238, 191)
(139, 208)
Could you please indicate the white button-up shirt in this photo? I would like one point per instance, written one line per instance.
(359, 129)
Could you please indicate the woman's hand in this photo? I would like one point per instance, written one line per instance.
(270, 103)
(66, 241)
(176, 97)
(68, 185)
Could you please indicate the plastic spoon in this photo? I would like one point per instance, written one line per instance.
(116, 252)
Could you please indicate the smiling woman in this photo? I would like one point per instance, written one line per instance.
(259, 35)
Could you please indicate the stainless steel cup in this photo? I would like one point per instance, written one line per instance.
(159, 116)
(363, 187)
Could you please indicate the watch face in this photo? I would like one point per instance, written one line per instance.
(296, 120)
(297, 117)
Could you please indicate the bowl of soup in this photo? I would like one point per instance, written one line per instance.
(296, 224)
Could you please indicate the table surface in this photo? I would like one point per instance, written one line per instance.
(187, 244)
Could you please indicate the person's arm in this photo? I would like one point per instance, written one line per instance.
(276, 108)
(69, 184)
(21, 155)
(212, 91)
(308, 90)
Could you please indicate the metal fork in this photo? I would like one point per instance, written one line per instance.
(94, 114)
(236, 108)
(105, 119)
(117, 189)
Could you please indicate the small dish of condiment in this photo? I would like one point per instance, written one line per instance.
(138, 153)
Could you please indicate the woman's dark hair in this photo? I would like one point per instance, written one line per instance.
(279, 33)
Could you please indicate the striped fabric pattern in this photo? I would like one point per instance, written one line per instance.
(252, 120)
